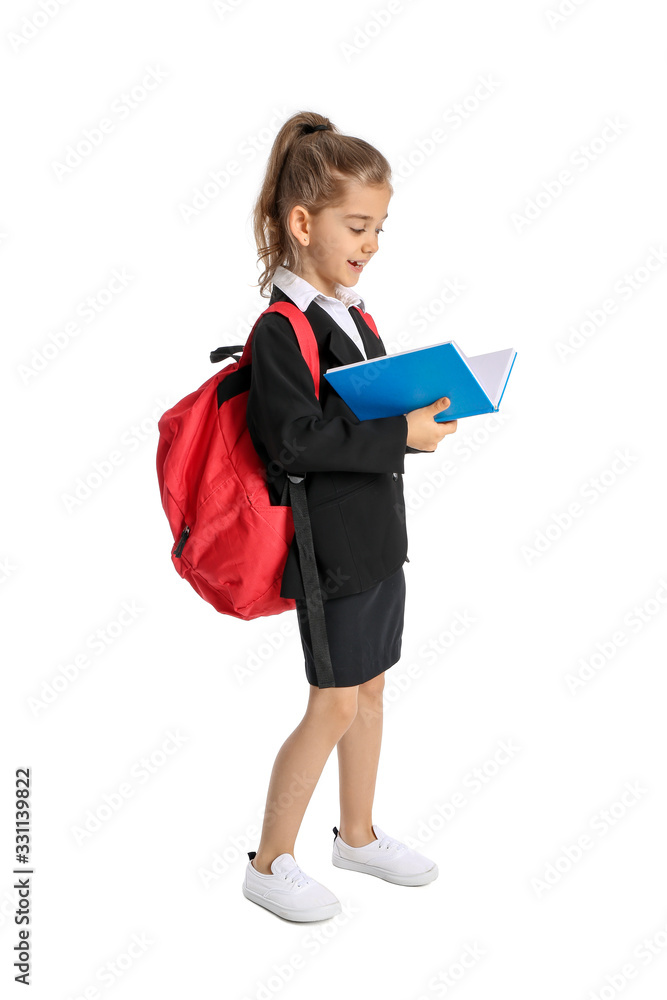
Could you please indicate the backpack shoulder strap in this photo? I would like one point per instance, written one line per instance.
(368, 319)
(294, 494)
(296, 487)
(304, 334)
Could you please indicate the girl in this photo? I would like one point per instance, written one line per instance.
(316, 223)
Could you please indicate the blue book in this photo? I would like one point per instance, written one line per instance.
(407, 380)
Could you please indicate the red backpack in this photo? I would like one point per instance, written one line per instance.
(231, 543)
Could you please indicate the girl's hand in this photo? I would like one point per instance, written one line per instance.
(424, 433)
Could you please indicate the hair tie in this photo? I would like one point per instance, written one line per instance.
(313, 128)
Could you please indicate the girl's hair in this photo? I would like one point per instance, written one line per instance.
(309, 169)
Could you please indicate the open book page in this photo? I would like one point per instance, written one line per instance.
(491, 370)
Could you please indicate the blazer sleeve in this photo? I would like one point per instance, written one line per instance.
(286, 414)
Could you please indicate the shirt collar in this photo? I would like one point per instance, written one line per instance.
(302, 292)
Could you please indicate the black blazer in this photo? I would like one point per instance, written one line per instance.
(353, 468)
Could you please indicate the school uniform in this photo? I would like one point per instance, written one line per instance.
(353, 471)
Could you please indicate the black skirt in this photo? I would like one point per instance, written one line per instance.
(364, 631)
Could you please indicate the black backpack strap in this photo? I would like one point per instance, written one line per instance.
(220, 353)
(295, 489)
(311, 583)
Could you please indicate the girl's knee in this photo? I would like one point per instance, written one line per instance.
(373, 688)
(338, 706)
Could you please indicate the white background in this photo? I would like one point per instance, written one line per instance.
(542, 920)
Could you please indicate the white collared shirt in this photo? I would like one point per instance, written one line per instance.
(302, 293)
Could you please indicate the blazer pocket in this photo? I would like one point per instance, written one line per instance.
(340, 497)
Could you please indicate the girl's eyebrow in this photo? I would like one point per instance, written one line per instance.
(366, 218)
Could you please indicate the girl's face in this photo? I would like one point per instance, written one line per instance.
(337, 236)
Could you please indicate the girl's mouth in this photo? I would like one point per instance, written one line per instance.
(356, 266)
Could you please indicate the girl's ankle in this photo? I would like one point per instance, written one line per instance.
(264, 865)
(357, 839)
(261, 868)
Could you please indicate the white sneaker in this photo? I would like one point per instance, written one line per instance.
(386, 858)
(289, 892)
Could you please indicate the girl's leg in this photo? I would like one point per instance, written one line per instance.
(298, 766)
(358, 757)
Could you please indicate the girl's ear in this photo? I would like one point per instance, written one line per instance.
(297, 222)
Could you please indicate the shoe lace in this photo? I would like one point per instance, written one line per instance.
(391, 844)
(298, 876)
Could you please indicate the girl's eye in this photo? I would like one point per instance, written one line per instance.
(363, 230)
